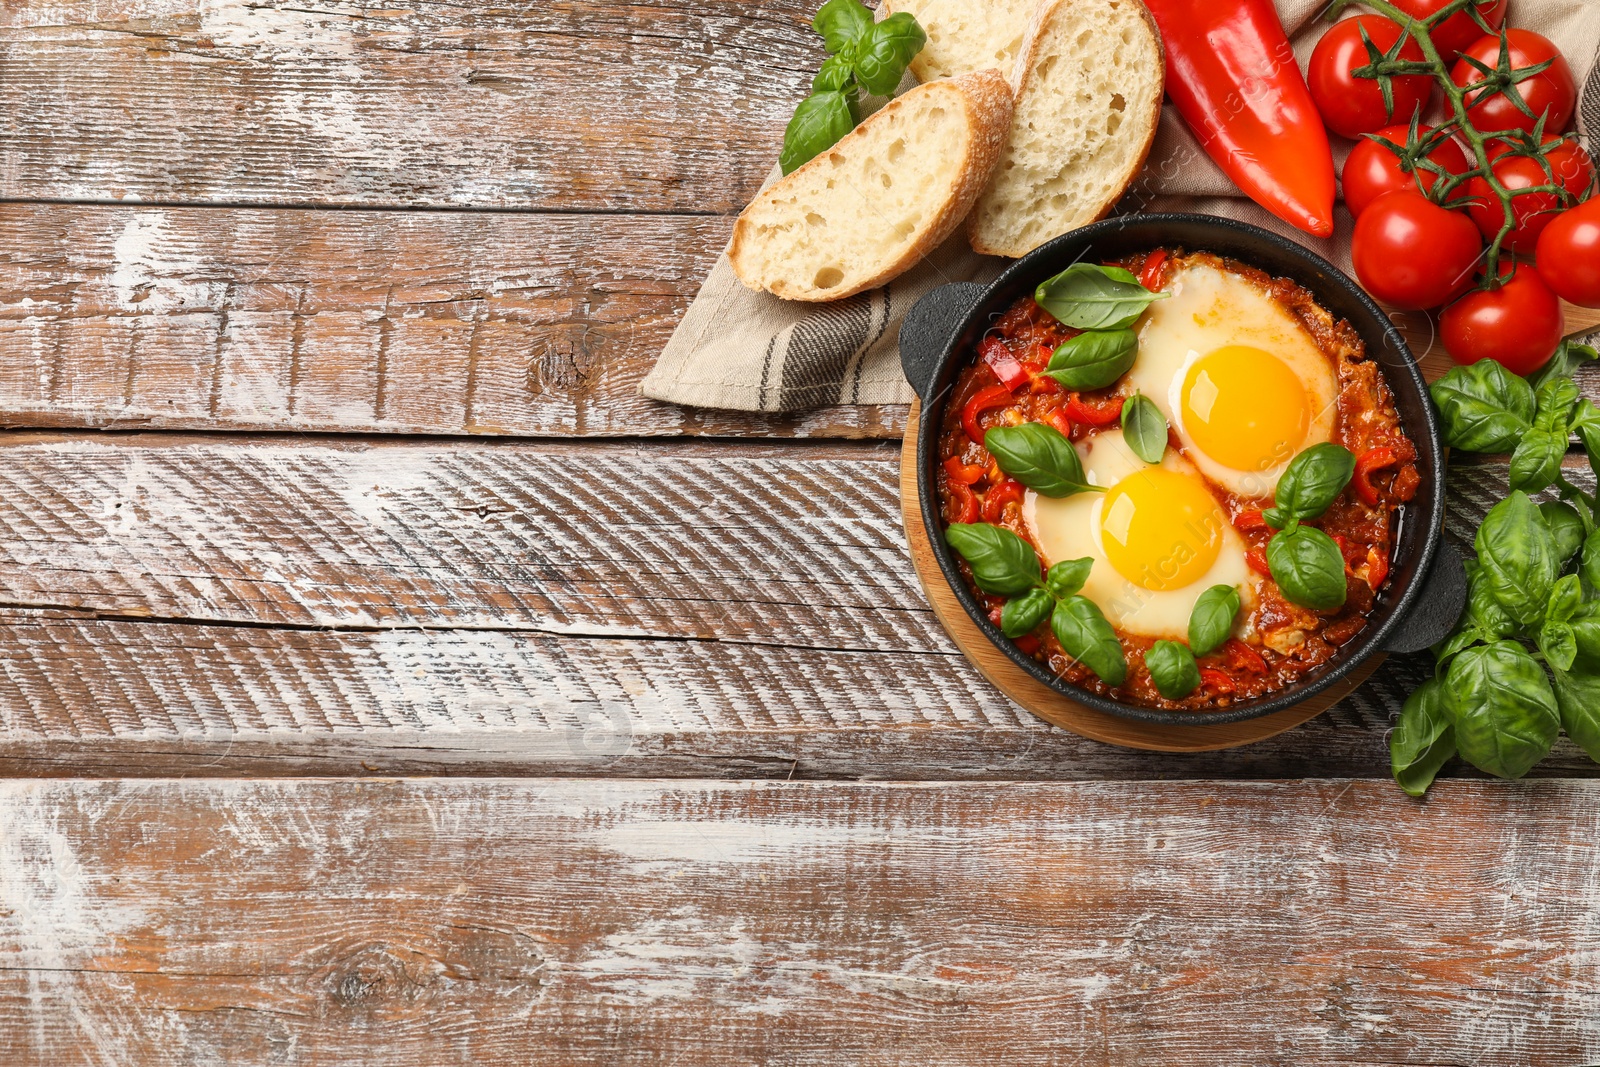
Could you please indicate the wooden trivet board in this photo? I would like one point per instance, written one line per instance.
(1051, 706)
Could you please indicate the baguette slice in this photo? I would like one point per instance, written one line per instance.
(966, 35)
(1088, 85)
(886, 195)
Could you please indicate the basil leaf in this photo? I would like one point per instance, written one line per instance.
(881, 57)
(1461, 637)
(1308, 567)
(1068, 576)
(1567, 358)
(1311, 483)
(1589, 562)
(1566, 528)
(818, 123)
(1483, 612)
(1144, 428)
(841, 22)
(1039, 457)
(1212, 619)
(1094, 359)
(835, 76)
(1559, 645)
(1002, 563)
(1021, 614)
(1566, 597)
(1578, 701)
(1536, 461)
(1422, 740)
(1503, 709)
(1087, 637)
(1172, 668)
(1555, 400)
(1585, 626)
(1086, 296)
(1483, 407)
(1517, 558)
(1586, 424)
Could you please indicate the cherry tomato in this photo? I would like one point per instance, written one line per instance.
(1352, 106)
(1552, 92)
(1413, 254)
(1518, 324)
(1458, 30)
(1572, 169)
(1373, 170)
(1569, 255)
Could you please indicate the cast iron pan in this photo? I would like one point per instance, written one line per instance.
(1427, 585)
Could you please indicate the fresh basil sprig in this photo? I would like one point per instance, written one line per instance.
(1310, 484)
(1423, 740)
(1004, 564)
(1087, 296)
(862, 54)
(1144, 428)
(1517, 558)
(1093, 359)
(1040, 458)
(1483, 407)
(1173, 669)
(1211, 621)
(1502, 707)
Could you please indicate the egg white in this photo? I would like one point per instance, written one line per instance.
(1069, 528)
(1210, 309)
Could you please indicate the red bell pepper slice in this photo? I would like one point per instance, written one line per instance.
(1090, 414)
(1062, 424)
(1216, 681)
(996, 396)
(1377, 567)
(1257, 558)
(996, 499)
(1150, 273)
(961, 473)
(963, 503)
(1028, 643)
(1373, 459)
(1241, 657)
(1006, 367)
(1232, 74)
(1250, 521)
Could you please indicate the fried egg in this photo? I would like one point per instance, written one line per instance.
(1237, 376)
(1157, 536)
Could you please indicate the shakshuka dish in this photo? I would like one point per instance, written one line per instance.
(1175, 480)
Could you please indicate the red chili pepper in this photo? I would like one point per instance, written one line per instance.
(1241, 657)
(1374, 459)
(1257, 558)
(1102, 414)
(996, 499)
(996, 396)
(1150, 273)
(1249, 521)
(961, 473)
(1377, 567)
(1006, 367)
(1028, 643)
(1232, 74)
(964, 503)
(1216, 681)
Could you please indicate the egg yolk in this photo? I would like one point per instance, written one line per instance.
(1245, 408)
(1161, 529)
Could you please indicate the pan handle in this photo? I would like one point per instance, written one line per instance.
(1434, 615)
(927, 329)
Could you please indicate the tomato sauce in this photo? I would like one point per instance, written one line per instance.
(1282, 643)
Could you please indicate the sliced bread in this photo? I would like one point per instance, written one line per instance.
(888, 193)
(966, 35)
(1088, 85)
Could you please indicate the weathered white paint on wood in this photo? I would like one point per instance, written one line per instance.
(578, 922)
(424, 322)
(649, 106)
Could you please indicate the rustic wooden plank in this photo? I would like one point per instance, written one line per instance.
(425, 322)
(192, 603)
(582, 922)
(645, 106)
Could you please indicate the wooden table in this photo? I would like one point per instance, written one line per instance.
(383, 681)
